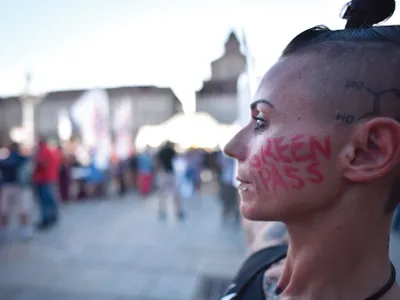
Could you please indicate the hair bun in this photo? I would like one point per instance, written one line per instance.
(366, 13)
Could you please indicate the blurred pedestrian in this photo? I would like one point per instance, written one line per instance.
(145, 168)
(65, 178)
(167, 182)
(44, 180)
(13, 192)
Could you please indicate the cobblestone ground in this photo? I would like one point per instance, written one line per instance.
(117, 249)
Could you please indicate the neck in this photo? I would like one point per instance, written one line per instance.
(334, 257)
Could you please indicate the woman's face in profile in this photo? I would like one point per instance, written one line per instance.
(286, 161)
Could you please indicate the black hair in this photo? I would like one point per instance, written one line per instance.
(14, 146)
(361, 15)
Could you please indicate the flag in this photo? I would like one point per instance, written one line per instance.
(122, 127)
(91, 114)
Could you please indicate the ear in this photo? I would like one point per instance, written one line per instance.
(373, 151)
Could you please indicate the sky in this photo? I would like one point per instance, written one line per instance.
(102, 43)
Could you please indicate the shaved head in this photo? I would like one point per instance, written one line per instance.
(348, 82)
(355, 70)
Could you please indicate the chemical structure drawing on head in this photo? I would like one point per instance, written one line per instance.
(376, 101)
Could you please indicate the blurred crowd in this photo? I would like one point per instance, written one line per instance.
(49, 175)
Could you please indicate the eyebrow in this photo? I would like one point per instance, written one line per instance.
(255, 103)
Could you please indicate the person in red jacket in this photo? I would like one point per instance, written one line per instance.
(44, 178)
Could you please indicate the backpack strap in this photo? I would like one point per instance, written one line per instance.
(247, 284)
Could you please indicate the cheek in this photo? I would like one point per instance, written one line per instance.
(290, 164)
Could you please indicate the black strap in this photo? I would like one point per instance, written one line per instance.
(248, 283)
(386, 287)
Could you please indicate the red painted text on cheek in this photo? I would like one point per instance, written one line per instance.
(273, 162)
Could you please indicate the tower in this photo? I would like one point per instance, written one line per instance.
(232, 45)
(217, 97)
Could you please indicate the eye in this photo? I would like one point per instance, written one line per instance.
(261, 124)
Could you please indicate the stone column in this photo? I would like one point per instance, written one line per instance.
(28, 104)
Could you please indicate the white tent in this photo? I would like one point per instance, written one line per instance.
(198, 129)
(149, 135)
(187, 130)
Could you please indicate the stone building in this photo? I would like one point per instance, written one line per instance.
(150, 106)
(10, 117)
(218, 96)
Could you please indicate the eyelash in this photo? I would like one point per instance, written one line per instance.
(260, 127)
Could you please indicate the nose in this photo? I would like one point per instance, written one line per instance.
(236, 147)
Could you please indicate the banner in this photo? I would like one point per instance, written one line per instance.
(91, 114)
(122, 127)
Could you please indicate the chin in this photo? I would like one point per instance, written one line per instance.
(254, 211)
